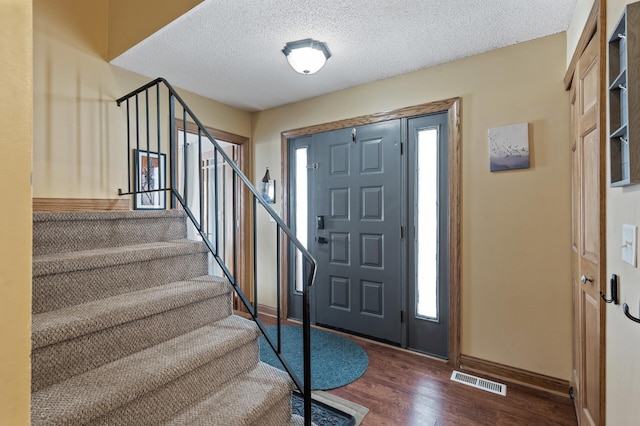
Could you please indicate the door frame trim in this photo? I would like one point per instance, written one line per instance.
(452, 107)
(589, 30)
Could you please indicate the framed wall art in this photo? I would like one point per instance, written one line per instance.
(509, 147)
(149, 176)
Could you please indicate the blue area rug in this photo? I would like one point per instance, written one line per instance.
(335, 360)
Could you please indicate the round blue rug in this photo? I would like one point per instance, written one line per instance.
(335, 360)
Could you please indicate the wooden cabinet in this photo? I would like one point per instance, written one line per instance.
(624, 98)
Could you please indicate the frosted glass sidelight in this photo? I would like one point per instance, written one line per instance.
(302, 210)
(427, 224)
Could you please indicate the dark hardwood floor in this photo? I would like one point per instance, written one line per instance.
(404, 388)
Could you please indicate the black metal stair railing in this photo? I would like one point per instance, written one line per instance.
(153, 178)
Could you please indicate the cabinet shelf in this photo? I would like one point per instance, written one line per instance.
(621, 80)
(624, 98)
(621, 132)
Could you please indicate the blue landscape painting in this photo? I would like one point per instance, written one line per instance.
(509, 147)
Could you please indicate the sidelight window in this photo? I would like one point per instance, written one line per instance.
(301, 210)
(427, 224)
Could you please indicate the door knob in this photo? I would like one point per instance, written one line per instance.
(322, 240)
(584, 279)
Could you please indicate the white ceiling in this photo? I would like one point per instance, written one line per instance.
(230, 50)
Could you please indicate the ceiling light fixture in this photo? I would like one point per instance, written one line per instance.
(306, 56)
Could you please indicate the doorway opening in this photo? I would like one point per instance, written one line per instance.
(216, 180)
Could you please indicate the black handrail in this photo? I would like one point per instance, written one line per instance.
(304, 385)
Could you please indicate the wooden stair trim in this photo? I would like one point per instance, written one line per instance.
(80, 204)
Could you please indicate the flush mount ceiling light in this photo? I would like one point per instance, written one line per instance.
(306, 56)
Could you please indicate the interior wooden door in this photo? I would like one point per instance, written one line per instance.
(588, 228)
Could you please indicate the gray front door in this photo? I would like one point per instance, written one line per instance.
(377, 222)
(357, 217)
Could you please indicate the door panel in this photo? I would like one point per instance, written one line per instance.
(591, 360)
(589, 83)
(358, 185)
(590, 247)
(588, 190)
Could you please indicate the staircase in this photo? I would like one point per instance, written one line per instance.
(129, 329)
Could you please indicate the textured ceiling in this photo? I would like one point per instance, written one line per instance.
(230, 50)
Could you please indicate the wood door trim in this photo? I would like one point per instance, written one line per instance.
(412, 111)
(80, 204)
(515, 375)
(604, 138)
(242, 141)
(451, 106)
(589, 30)
(455, 218)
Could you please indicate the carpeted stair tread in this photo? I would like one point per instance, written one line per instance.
(163, 403)
(57, 232)
(56, 363)
(244, 400)
(105, 257)
(98, 391)
(59, 290)
(128, 329)
(67, 323)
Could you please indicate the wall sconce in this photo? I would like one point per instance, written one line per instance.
(267, 188)
(306, 56)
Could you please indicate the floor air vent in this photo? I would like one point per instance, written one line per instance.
(479, 383)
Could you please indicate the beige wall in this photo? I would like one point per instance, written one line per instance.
(79, 148)
(578, 20)
(623, 336)
(15, 220)
(515, 225)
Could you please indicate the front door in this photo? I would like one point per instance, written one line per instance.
(588, 228)
(371, 203)
(357, 230)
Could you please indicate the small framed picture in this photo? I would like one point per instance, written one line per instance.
(149, 174)
(509, 147)
(268, 190)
